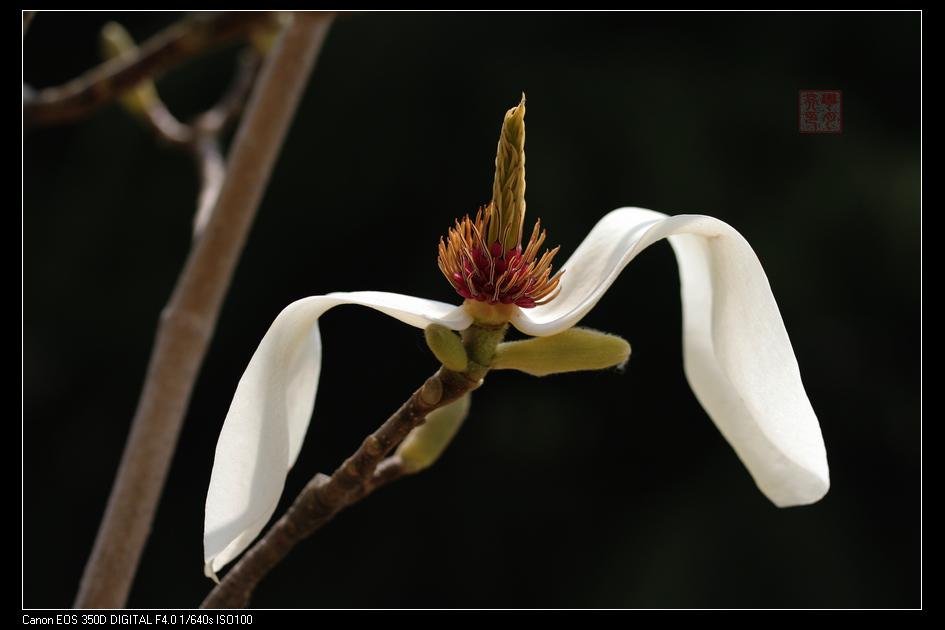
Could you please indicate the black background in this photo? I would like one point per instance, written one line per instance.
(591, 490)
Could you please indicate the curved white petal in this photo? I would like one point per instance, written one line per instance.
(270, 412)
(738, 358)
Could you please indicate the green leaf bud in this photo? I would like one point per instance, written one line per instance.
(424, 445)
(115, 42)
(570, 351)
(447, 347)
(432, 391)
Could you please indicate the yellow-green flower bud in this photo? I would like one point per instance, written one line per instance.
(426, 442)
(570, 351)
(447, 347)
(115, 42)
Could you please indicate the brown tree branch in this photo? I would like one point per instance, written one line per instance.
(187, 323)
(99, 86)
(324, 497)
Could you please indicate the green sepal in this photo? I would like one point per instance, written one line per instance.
(447, 347)
(424, 445)
(570, 351)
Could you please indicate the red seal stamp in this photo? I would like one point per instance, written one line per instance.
(820, 111)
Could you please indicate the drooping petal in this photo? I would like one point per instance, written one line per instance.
(595, 264)
(737, 354)
(270, 412)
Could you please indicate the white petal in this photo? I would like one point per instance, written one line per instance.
(738, 358)
(270, 412)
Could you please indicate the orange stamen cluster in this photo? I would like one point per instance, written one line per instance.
(485, 271)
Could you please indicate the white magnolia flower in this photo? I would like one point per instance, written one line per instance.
(737, 355)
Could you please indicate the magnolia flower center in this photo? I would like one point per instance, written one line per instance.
(487, 272)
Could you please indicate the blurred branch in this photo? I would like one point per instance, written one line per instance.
(202, 138)
(206, 132)
(99, 86)
(188, 322)
(27, 18)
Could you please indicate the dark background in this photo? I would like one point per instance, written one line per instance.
(602, 489)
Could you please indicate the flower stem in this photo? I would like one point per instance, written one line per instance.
(323, 497)
(366, 470)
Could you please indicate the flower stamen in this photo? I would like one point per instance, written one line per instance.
(482, 271)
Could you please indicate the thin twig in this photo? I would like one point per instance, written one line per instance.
(99, 86)
(187, 323)
(207, 130)
(324, 497)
